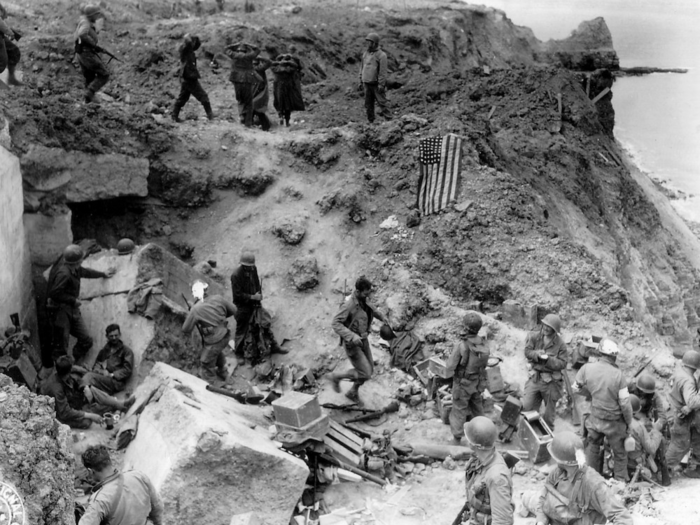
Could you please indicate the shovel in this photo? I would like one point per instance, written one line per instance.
(555, 125)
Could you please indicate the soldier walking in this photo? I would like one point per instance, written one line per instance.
(93, 67)
(189, 78)
(685, 407)
(467, 364)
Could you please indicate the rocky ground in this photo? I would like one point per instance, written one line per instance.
(544, 217)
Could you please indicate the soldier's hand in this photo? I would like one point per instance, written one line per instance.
(544, 357)
(256, 297)
(685, 410)
(356, 340)
(94, 417)
(110, 271)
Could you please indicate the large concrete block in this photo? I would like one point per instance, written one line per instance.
(47, 235)
(84, 177)
(209, 456)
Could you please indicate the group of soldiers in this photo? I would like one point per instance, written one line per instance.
(644, 433)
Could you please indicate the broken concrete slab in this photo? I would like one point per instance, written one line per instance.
(209, 456)
(83, 177)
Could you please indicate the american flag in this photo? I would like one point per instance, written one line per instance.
(439, 172)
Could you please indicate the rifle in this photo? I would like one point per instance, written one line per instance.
(645, 363)
(99, 49)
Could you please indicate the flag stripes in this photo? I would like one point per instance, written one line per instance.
(439, 172)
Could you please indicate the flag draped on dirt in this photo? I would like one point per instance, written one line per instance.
(439, 172)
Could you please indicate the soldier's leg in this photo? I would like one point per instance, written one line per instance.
(209, 360)
(242, 317)
(476, 403)
(460, 409)
(380, 98)
(103, 399)
(370, 90)
(104, 383)
(79, 330)
(60, 332)
(181, 100)
(660, 458)
(13, 57)
(680, 442)
(362, 366)
(616, 431)
(551, 395)
(201, 95)
(100, 76)
(4, 61)
(532, 397)
(594, 446)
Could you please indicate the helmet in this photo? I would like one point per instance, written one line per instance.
(553, 321)
(691, 359)
(386, 333)
(472, 322)
(567, 449)
(248, 259)
(646, 383)
(73, 253)
(374, 37)
(125, 246)
(636, 403)
(481, 433)
(608, 347)
(93, 12)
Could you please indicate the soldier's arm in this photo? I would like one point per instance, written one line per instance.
(189, 323)
(580, 381)
(609, 506)
(123, 373)
(661, 407)
(540, 516)
(455, 358)
(381, 74)
(691, 396)
(531, 353)
(339, 320)
(230, 308)
(5, 29)
(237, 289)
(623, 398)
(501, 495)
(558, 362)
(89, 273)
(156, 515)
(64, 411)
(379, 315)
(97, 511)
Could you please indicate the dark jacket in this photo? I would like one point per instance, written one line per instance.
(118, 360)
(242, 66)
(188, 61)
(556, 350)
(68, 397)
(64, 282)
(85, 36)
(245, 283)
(354, 318)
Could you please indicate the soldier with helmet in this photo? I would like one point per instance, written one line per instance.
(574, 493)
(649, 447)
(547, 356)
(209, 314)
(373, 72)
(685, 407)
(91, 64)
(488, 479)
(653, 403)
(611, 412)
(189, 78)
(63, 306)
(467, 365)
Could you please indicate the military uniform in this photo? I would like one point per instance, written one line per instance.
(468, 366)
(546, 384)
(91, 64)
(373, 78)
(246, 81)
(117, 359)
(210, 316)
(189, 79)
(685, 429)
(654, 406)
(489, 491)
(647, 444)
(583, 499)
(124, 499)
(611, 413)
(9, 52)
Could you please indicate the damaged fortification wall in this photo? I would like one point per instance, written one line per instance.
(35, 456)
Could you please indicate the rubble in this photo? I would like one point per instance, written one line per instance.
(304, 273)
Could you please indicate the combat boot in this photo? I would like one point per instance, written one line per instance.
(353, 394)
(207, 108)
(176, 113)
(12, 78)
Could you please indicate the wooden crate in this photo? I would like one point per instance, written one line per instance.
(344, 444)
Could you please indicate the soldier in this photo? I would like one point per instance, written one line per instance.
(574, 493)
(9, 52)
(653, 403)
(547, 355)
(650, 447)
(373, 77)
(611, 412)
(488, 478)
(189, 78)
(114, 364)
(685, 406)
(246, 81)
(352, 323)
(93, 67)
(467, 365)
(63, 305)
(209, 314)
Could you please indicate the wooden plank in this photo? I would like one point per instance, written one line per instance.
(340, 438)
(342, 452)
(601, 95)
(347, 433)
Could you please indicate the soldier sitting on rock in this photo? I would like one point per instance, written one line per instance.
(114, 364)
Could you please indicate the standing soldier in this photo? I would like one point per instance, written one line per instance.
(245, 79)
(467, 365)
(353, 323)
(9, 52)
(547, 355)
(373, 77)
(209, 314)
(611, 412)
(685, 406)
(93, 68)
(189, 78)
(63, 305)
(574, 493)
(488, 479)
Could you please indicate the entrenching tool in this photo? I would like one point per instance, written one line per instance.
(390, 408)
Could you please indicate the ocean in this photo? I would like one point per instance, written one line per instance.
(657, 117)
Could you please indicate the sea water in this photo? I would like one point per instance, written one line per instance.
(657, 117)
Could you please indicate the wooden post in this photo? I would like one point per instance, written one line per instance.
(601, 95)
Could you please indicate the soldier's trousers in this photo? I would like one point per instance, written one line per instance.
(95, 72)
(684, 437)
(192, 88)
(66, 320)
(466, 403)
(9, 53)
(374, 95)
(615, 432)
(212, 362)
(105, 383)
(537, 392)
(361, 359)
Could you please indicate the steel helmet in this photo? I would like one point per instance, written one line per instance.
(248, 259)
(646, 383)
(481, 433)
(93, 12)
(567, 449)
(386, 333)
(691, 359)
(472, 322)
(125, 246)
(553, 321)
(608, 347)
(73, 254)
(636, 403)
(374, 37)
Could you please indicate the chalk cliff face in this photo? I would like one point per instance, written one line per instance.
(589, 47)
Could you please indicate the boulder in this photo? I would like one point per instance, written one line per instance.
(209, 456)
(47, 235)
(304, 273)
(36, 461)
(290, 229)
(83, 177)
